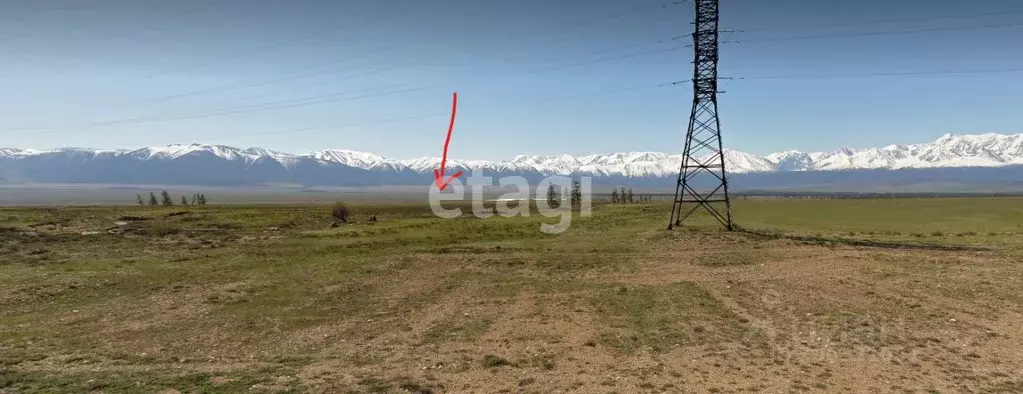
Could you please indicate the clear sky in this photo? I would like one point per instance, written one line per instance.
(133, 73)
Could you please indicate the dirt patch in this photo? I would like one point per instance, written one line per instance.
(418, 304)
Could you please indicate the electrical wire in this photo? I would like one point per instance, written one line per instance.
(266, 107)
(616, 91)
(334, 97)
(270, 81)
(340, 126)
(270, 46)
(885, 74)
(880, 21)
(603, 60)
(299, 102)
(880, 33)
(439, 114)
(263, 82)
(232, 111)
(318, 99)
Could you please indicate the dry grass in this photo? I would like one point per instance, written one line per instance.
(271, 299)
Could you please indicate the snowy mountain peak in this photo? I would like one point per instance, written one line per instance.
(177, 150)
(350, 157)
(363, 160)
(736, 161)
(265, 152)
(980, 150)
(944, 137)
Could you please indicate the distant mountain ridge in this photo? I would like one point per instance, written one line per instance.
(219, 164)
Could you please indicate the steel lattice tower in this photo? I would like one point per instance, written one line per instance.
(703, 153)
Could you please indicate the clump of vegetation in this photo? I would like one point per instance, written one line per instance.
(340, 211)
(166, 200)
(492, 361)
(552, 197)
(415, 387)
(625, 196)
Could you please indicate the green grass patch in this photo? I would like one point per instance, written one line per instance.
(662, 318)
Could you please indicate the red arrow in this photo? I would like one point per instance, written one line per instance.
(438, 175)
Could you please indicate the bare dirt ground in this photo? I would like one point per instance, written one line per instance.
(417, 304)
(800, 318)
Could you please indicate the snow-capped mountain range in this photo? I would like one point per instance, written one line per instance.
(231, 165)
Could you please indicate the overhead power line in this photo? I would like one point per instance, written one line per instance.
(630, 11)
(231, 111)
(581, 23)
(339, 126)
(303, 101)
(275, 80)
(305, 75)
(616, 91)
(643, 9)
(880, 21)
(275, 92)
(885, 74)
(320, 99)
(345, 96)
(439, 114)
(878, 33)
(609, 59)
(313, 100)
(334, 29)
(268, 106)
(523, 39)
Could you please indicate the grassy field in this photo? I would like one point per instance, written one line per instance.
(901, 295)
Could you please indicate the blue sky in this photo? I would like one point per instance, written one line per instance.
(76, 72)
